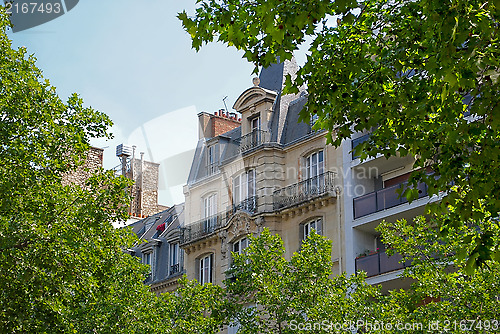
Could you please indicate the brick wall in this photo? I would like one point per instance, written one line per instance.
(217, 124)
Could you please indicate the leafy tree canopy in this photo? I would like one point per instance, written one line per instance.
(422, 76)
(62, 268)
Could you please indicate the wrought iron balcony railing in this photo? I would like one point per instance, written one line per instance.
(249, 205)
(174, 269)
(253, 140)
(383, 199)
(202, 228)
(303, 191)
(380, 263)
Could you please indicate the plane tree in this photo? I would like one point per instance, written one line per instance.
(420, 76)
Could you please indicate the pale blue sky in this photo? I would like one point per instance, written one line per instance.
(133, 61)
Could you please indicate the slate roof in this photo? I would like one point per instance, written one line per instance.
(146, 230)
(270, 78)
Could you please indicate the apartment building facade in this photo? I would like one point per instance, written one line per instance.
(269, 172)
(371, 195)
(159, 248)
(260, 168)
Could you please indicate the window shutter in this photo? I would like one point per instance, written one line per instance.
(211, 269)
(217, 154)
(200, 270)
(301, 231)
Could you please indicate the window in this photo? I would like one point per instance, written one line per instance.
(174, 258)
(212, 159)
(315, 164)
(256, 134)
(205, 269)
(240, 245)
(210, 212)
(307, 227)
(146, 258)
(314, 118)
(255, 123)
(315, 167)
(244, 191)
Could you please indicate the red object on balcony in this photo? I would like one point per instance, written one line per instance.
(161, 227)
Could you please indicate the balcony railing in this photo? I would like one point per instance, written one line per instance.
(383, 199)
(253, 140)
(380, 263)
(303, 191)
(174, 269)
(249, 205)
(203, 228)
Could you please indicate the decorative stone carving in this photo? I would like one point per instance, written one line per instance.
(224, 247)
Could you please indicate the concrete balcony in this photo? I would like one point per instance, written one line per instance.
(304, 191)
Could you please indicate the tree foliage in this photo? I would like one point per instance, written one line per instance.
(407, 71)
(444, 292)
(296, 296)
(62, 268)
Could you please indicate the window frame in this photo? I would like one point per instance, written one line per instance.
(306, 228)
(205, 268)
(244, 186)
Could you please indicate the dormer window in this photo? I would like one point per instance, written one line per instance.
(212, 159)
(255, 124)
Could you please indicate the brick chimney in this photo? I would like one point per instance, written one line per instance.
(214, 125)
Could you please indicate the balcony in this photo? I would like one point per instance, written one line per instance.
(380, 263)
(253, 140)
(249, 205)
(304, 191)
(202, 228)
(383, 199)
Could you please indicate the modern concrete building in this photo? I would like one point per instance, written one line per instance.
(371, 196)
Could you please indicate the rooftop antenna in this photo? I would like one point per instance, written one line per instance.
(224, 100)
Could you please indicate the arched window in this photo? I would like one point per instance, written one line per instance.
(240, 245)
(315, 224)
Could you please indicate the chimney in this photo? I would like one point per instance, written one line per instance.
(204, 128)
(214, 125)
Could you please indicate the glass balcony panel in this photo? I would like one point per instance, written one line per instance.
(389, 197)
(368, 264)
(390, 263)
(364, 205)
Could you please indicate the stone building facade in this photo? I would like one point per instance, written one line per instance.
(93, 162)
(270, 172)
(144, 191)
